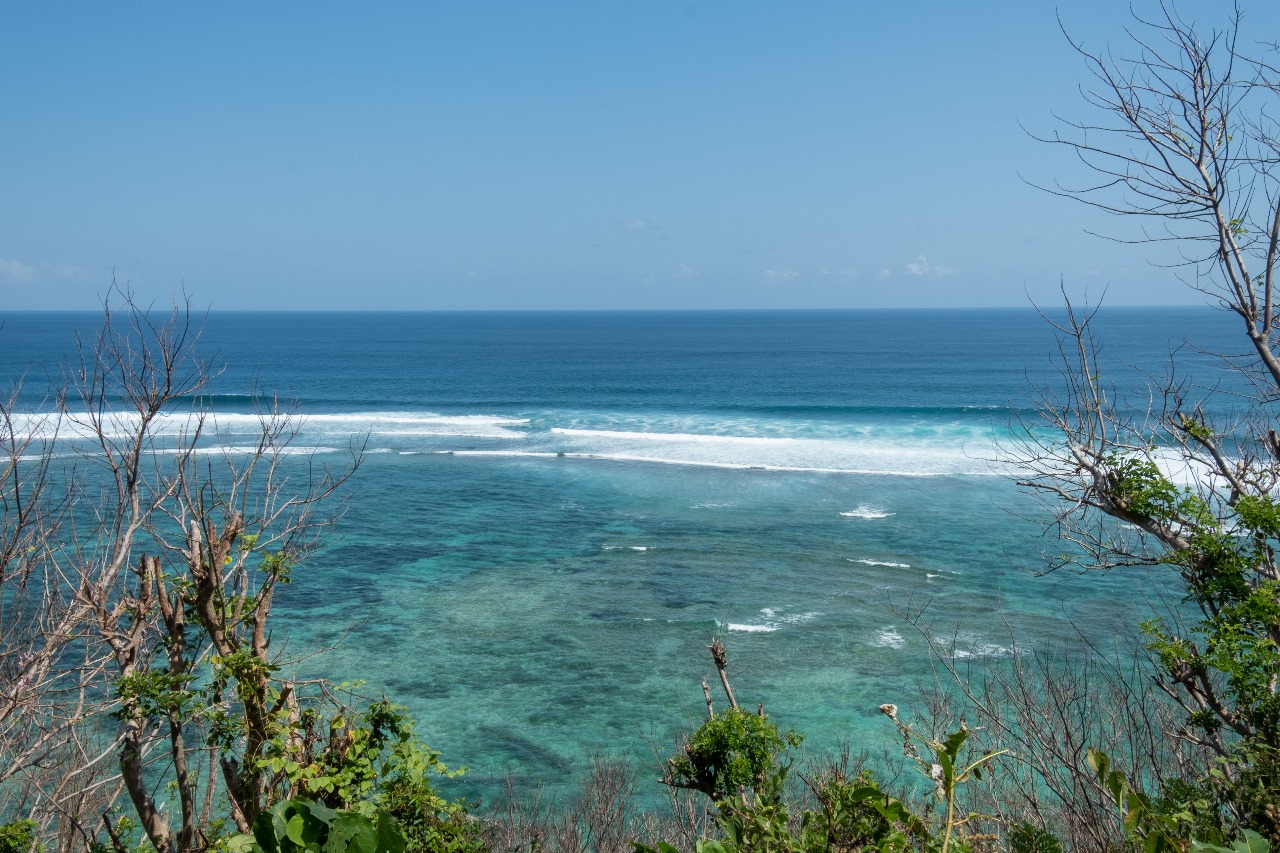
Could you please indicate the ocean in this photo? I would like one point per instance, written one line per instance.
(555, 512)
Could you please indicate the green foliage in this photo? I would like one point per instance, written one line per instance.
(1244, 786)
(1250, 842)
(944, 766)
(430, 823)
(732, 753)
(737, 759)
(300, 825)
(19, 837)
(1138, 489)
(361, 755)
(1227, 660)
(1195, 807)
(1025, 838)
(855, 813)
(1147, 826)
(154, 694)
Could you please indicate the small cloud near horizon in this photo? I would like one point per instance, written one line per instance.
(777, 274)
(921, 267)
(16, 272)
(639, 225)
(685, 272)
(643, 228)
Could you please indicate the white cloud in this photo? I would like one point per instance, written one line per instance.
(16, 272)
(921, 267)
(884, 273)
(643, 228)
(776, 274)
(686, 272)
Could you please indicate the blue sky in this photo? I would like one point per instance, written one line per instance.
(518, 155)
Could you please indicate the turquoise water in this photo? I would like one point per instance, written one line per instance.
(556, 512)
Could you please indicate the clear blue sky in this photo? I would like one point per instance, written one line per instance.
(512, 155)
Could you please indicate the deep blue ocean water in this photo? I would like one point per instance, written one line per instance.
(557, 511)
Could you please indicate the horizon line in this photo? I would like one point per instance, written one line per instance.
(939, 308)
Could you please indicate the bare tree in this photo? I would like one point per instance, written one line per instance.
(1185, 143)
(51, 673)
(139, 560)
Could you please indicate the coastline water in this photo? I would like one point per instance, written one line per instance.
(557, 511)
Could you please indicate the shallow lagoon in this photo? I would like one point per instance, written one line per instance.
(556, 512)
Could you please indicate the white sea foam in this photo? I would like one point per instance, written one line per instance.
(118, 425)
(888, 638)
(415, 424)
(672, 437)
(772, 619)
(881, 563)
(986, 650)
(703, 463)
(529, 454)
(730, 443)
(744, 443)
(967, 645)
(813, 447)
(248, 450)
(864, 511)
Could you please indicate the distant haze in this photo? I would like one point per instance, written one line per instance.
(595, 155)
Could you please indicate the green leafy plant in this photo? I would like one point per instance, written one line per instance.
(855, 813)
(732, 753)
(943, 766)
(293, 826)
(19, 837)
(739, 760)
(1250, 842)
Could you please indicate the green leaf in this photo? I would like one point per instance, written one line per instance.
(294, 830)
(1252, 843)
(323, 813)
(352, 833)
(267, 830)
(242, 844)
(390, 838)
